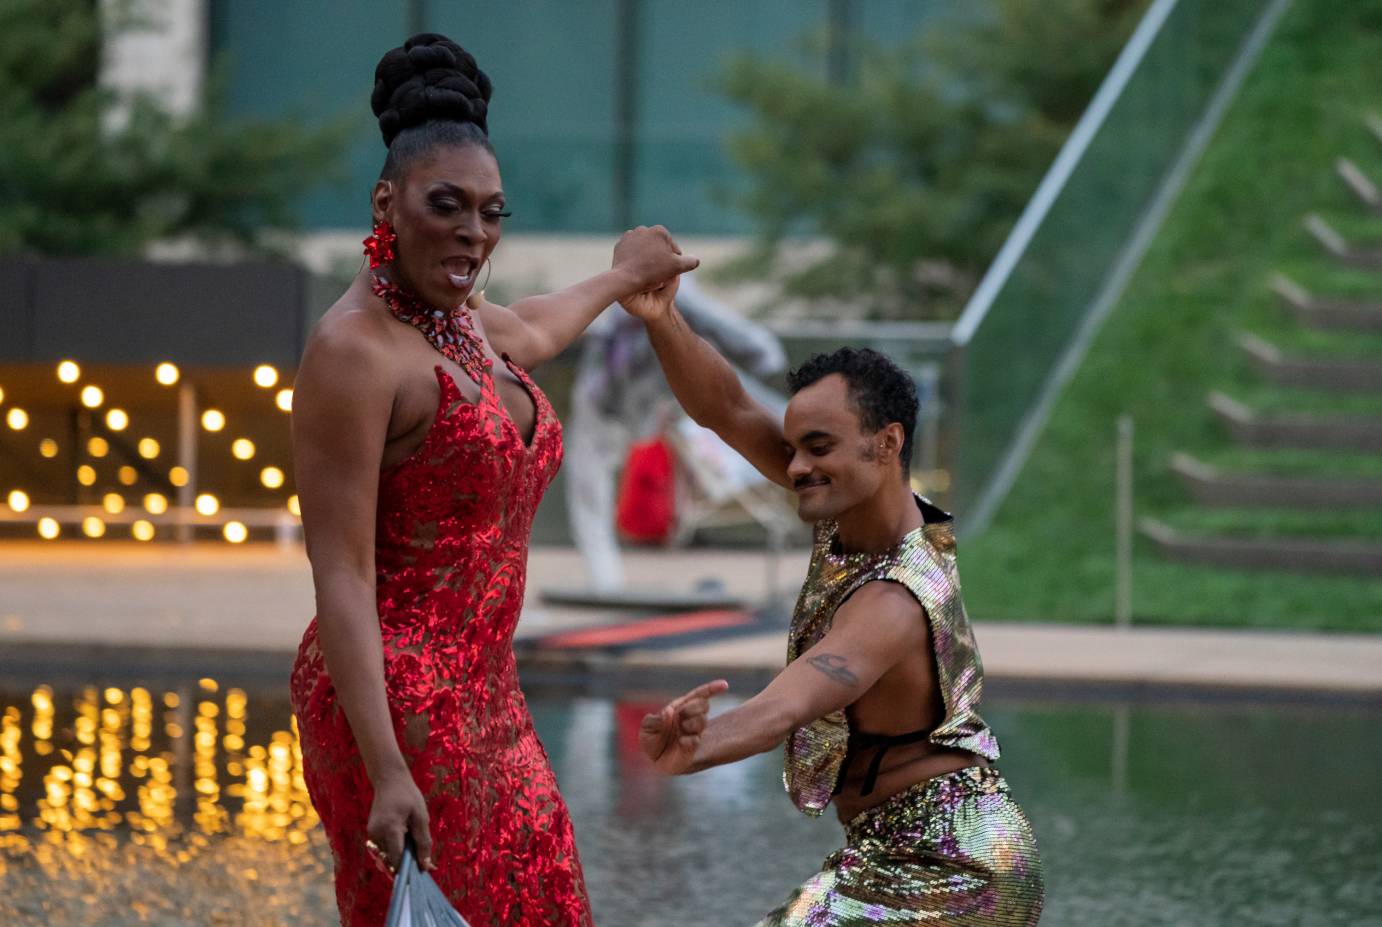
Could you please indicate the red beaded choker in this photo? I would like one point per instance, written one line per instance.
(452, 333)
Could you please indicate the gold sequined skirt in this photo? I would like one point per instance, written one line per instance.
(953, 850)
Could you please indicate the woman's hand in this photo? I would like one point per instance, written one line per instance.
(670, 737)
(647, 258)
(399, 809)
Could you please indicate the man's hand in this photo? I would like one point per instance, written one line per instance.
(670, 737)
(648, 258)
(651, 304)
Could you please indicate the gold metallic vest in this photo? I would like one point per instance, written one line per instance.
(924, 562)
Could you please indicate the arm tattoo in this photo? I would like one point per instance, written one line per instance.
(836, 667)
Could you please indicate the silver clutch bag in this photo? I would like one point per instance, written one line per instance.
(416, 901)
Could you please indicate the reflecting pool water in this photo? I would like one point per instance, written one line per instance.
(184, 804)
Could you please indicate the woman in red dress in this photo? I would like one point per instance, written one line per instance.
(422, 448)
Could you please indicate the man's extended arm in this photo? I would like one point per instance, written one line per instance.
(871, 632)
(707, 387)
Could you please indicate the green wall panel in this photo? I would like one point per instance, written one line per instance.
(553, 114)
(554, 119)
(312, 59)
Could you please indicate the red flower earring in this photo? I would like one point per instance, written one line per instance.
(380, 243)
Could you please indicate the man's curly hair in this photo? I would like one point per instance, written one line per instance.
(881, 392)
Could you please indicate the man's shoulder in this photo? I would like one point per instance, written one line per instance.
(881, 596)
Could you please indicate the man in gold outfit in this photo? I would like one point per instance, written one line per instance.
(878, 705)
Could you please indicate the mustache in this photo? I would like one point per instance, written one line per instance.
(808, 480)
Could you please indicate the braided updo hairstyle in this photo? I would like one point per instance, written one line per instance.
(427, 93)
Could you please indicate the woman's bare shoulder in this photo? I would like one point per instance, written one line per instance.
(350, 332)
(351, 348)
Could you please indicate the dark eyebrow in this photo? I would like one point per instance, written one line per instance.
(449, 187)
(816, 436)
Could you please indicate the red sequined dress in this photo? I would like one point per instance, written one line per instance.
(451, 552)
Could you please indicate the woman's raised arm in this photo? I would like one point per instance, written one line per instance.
(536, 329)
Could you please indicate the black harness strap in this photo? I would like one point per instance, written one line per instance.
(880, 744)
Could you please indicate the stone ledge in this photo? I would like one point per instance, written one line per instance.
(1353, 433)
(1210, 486)
(1293, 554)
(1342, 374)
(1364, 190)
(1330, 313)
(1025, 660)
(1334, 244)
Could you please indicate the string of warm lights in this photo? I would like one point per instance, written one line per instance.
(148, 516)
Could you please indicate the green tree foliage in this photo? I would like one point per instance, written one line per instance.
(84, 172)
(916, 168)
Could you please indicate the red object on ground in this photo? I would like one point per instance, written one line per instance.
(643, 629)
(647, 506)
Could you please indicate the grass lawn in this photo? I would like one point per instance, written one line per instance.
(1049, 553)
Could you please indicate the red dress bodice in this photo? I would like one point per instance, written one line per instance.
(451, 548)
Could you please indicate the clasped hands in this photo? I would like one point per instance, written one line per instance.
(652, 263)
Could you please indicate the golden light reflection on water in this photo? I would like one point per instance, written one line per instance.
(170, 772)
(172, 805)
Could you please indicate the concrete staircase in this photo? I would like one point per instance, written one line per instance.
(1255, 498)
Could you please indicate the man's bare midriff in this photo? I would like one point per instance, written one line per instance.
(903, 767)
(907, 698)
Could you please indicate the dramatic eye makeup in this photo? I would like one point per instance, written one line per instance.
(446, 198)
